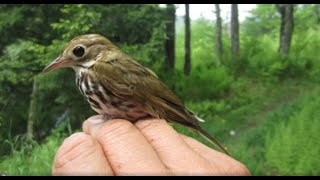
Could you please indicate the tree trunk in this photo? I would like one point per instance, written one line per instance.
(187, 61)
(218, 35)
(234, 31)
(31, 111)
(286, 27)
(170, 41)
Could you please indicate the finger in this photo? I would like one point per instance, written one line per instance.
(80, 154)
(214, 157)
(126, 149)
(171, 148)
(201, 148)
(221, 163)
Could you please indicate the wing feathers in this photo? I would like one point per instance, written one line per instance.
(129, 80)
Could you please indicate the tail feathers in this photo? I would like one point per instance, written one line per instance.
(211, 139)
(193, 114)
(199, 119)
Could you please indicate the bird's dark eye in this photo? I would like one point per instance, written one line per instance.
(78, 51)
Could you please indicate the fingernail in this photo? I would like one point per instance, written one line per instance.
(95, 120)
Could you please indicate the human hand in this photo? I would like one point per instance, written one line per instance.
(148, 147)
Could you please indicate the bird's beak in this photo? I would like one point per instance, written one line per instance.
(58, 63)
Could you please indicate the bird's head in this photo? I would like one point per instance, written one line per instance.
(82, 52)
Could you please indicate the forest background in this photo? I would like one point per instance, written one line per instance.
(255, 82)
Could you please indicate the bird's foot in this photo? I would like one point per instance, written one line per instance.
(107, 117)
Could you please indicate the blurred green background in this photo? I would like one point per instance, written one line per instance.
(261, 101)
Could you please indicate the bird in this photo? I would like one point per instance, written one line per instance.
(118, 87)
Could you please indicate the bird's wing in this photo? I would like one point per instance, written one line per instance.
(129, 80)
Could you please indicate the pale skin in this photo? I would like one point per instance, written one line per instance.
(147, 147)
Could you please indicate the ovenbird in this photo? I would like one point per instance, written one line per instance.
(117, 86)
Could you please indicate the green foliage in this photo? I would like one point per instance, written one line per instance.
(306, 17)
(28, 22)
(264, 19)
(261, 57)
(150, 54)
(278, 146)
(128, 23)
(305, 54)
(38, 162)
(17, 70)
(294, 145)
(214, 82)
(202, 43)
(79, 20)
(259, 44)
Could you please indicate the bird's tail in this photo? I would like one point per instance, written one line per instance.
(199, 119)
(211, 139)
(185, 117)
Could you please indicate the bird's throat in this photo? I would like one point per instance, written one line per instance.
(84, 65)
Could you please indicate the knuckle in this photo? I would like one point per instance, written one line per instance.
(146, 125)
(114, 130)
(153, 129)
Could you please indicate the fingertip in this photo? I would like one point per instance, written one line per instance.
(70, 147)
(74, 139)
(80, 154)
(93, 120)
(96, 126)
